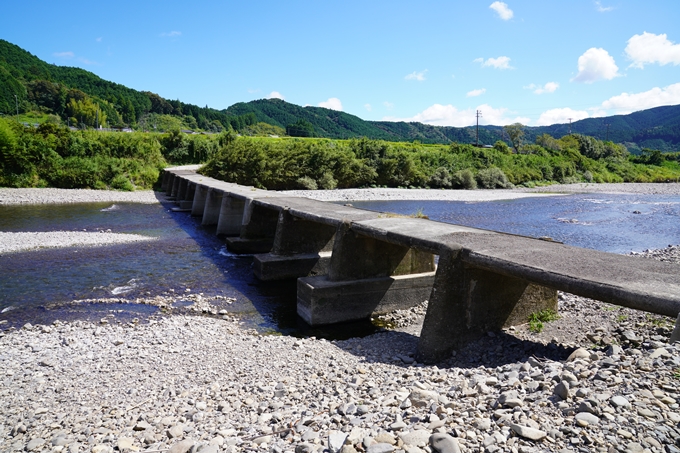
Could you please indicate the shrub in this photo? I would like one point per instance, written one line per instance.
(306, 183)
(441, 178)
(464, 179)
(492, 178)
(327, 181)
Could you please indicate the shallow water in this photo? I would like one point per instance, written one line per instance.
(39, 286)
(611, 223)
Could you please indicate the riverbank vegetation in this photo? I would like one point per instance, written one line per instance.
(51, 155)
(326, 164)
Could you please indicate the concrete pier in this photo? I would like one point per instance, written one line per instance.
(231, 216)
(258, 229)
(213, 204)
(198, 205)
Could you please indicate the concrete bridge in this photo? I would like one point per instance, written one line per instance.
(351, 263)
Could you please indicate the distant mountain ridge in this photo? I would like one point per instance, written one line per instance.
(26, 76)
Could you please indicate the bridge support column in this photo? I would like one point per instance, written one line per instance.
(231, 216)
(164, 182)
(188, 200)
(258, 229)
(213, 203)
(169, 184)
(301, 248)
(366, 276)
(182, 190)
(466, 303)
(175, 186)
(198, 206)
(675, 335)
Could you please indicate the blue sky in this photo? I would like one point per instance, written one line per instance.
(437, 62)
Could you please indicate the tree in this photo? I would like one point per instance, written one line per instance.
(301, 128)
(516, 134)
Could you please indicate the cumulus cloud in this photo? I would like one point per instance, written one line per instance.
(626, 103)
(596, 64)
(368, 107)
(474, 93)
(558, 116)
(275, 95)
(549, 87)
(171, 34)
(419, 76)
(332, 103)
(448, 115)
(649, 48)
(64, 54)
(496, 63)
(502, 10)
(603, 9)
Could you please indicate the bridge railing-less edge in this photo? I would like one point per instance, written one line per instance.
(351, 264)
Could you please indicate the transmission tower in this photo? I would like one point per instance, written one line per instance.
(478, 115)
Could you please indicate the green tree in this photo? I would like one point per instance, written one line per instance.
(516, 134)
(301, 128)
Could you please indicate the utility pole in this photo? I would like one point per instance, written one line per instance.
(570, 125)
(479, 115)
(16, 101)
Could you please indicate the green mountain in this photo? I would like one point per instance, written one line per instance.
(81, 97)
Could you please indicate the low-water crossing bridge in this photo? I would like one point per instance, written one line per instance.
(351, 263)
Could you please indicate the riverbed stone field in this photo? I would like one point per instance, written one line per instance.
(600, 378)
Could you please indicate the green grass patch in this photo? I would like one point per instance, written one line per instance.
(537, 319)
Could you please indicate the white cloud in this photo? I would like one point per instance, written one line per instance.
(626, 103)
(419, 76)
(549, 87)
(448, 115)
(559, 116)
(332, 103)
(649, 48)
(596, 64)
(64, 54)
(603, 9)
(502, 9)
(275, 95)
(99, 39)
(497, 63)
(171, 34)
(368, 107)
(388, 105)
(474, 93)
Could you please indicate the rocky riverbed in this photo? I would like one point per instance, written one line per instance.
(600, 378)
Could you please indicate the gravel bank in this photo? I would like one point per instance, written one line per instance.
(413, 194)
(67, 196)
(18, 242)
(672, 188)
(205, 384)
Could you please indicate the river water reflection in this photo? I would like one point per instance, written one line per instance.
(187, 257)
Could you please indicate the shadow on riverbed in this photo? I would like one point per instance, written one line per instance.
(399, 349)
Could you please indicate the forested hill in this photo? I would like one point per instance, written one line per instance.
(81, 98)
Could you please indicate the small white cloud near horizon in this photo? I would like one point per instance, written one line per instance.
(275, 95)
(649, 48)
(625, 103)
(368, 107)
(419, 76)
(496, 63)
(68, 54)
(388, 105)
(596, 64)
(331, 103)
(603, 9)
(475, 93)
(502, 9)
(448, 115)
(560, 116)
(549, 87)
(171, 34)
